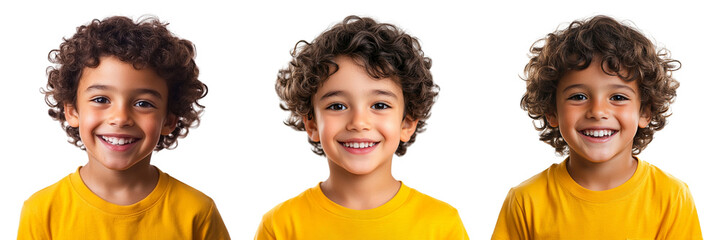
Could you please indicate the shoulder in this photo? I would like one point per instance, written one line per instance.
(536, 185)
(186, 202)
(37, 210)
(430, 205)
(675, 201)
(435, 214)
(188, 197)
(665, 183)
(49, 196)
(281, 216)
(301, 202)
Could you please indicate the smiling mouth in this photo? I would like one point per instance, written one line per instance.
(359, 145)
(118, 141)
(598, 133)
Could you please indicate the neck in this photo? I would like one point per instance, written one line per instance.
(121, 187)
(599, 176)
(360, 192)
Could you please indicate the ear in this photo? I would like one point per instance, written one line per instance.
(71, 115)
(171, 121)
(645, 118)
(408, 128)
(311, 127)
(552, 120)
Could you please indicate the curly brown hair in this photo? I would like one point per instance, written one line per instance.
(383, 49)
(623, 51)
(147, 43)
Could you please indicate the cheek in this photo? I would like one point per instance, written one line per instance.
(568, 116)
(629, 117)
(328, 127)
(390, 128)
(153, 124)
(89, 120)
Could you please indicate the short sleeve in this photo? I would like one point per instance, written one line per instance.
(682, 221)
(32, 225)
(457, 230)
(511, 222)
(263, 232)
(212, 226)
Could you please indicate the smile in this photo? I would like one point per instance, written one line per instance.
(358, 144)
(118, 141)
(598, 133)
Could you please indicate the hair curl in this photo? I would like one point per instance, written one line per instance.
(623, 51)
(383, 49)
(147, 43)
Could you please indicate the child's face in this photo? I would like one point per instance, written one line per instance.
(358, 119)
(598, 114)
(120, 112)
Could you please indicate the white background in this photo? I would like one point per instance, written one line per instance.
(479, 142)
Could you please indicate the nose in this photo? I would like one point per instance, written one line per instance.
(120, 116)
(598, 110)
(359, 120)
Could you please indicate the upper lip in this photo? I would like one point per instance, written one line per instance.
(116, 135)
(597, 128)
(358, 140)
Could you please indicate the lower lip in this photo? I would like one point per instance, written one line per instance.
(359, 150)
(598, 139)
(118, 148)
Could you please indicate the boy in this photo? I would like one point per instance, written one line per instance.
(361, 91)
(121, 90)
(600, 90)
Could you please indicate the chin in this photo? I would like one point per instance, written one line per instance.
(598, 157)
(119, 165)
(359, 169)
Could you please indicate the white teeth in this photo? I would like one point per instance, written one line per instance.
(359, 145)
(118, 141)
(598, 133)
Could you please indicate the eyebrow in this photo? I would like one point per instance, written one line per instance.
(385, 93)
(614, 86)
(98, 87)
(375, 92)
(331, 94)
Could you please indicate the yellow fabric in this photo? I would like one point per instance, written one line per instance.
(551, 205)
(69, 210)
(408, 215)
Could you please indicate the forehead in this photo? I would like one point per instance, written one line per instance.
(114, 74)
(593, 77)
(351, 77)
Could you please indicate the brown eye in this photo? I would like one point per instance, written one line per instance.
(578, 97)
(380, 106)
(100, 100)
(619, 98)
(336, 107)
(144, 104)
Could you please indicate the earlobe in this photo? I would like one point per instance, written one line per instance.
(408, 128)
(311, 128)
(71, 115)
(170, 123)
(552, 120)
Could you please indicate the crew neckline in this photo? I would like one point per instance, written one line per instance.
(403, 194)
(613, 194)
(114, 209)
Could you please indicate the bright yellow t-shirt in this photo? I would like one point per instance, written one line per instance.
(551, 205)
(69, 210)
(408, 215)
